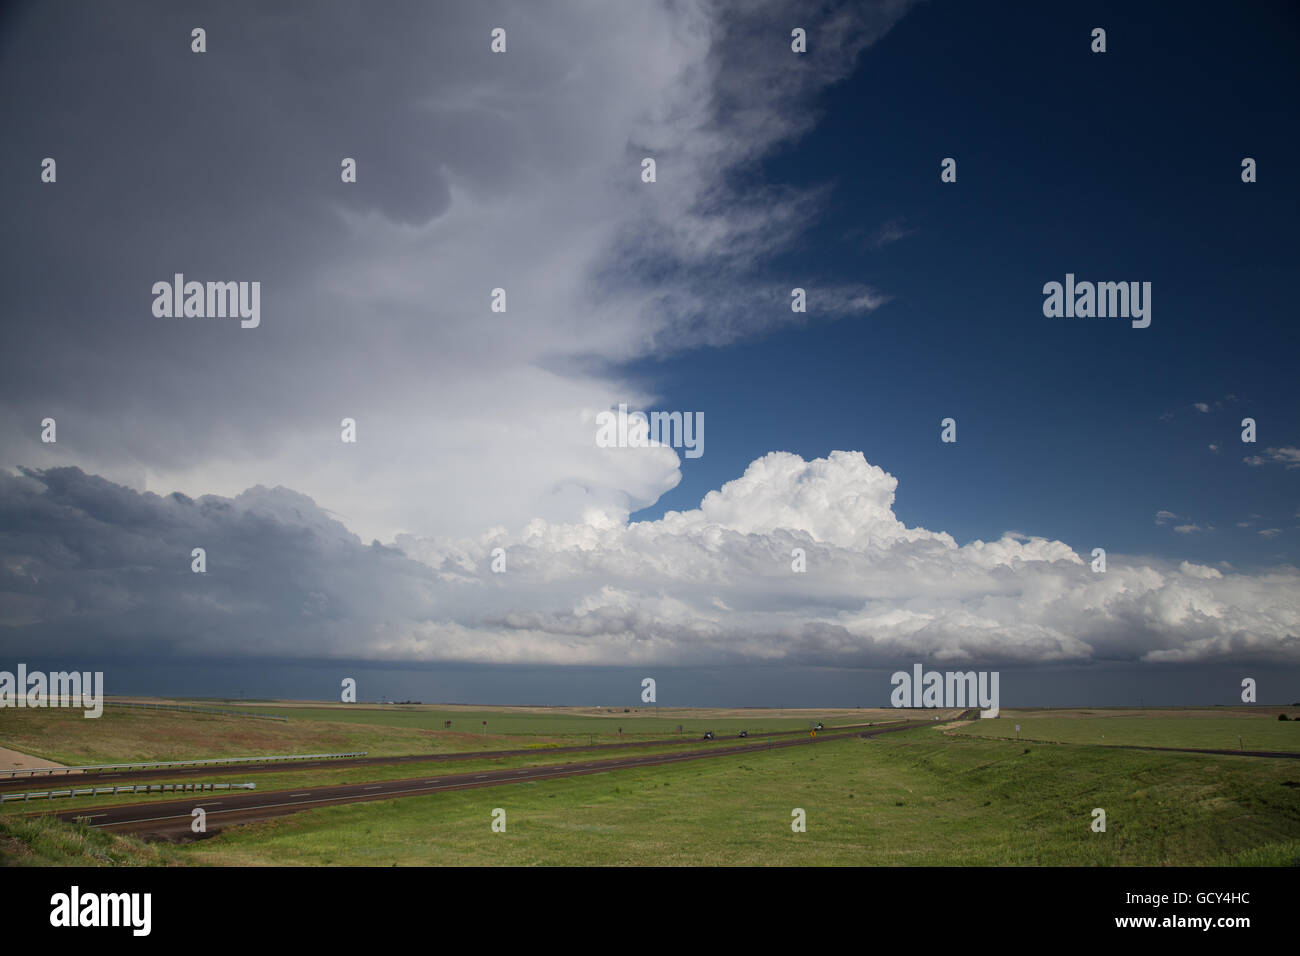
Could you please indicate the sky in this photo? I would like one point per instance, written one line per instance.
(476, 429)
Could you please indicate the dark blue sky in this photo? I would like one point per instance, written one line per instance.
(1115, 166)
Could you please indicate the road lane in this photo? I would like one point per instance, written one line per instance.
(172, 818)
(140, 776)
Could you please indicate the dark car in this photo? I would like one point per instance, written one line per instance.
(744, 733)
(708, 735)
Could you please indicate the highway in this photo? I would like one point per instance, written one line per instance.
(124, 777)
(172, 818)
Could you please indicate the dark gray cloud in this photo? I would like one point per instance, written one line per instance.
(91, 567)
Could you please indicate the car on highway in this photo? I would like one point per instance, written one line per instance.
(708, 735)
(743, 733)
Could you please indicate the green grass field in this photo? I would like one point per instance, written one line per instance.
(913, 799)
(929, 796)
(43, 841)
(123, 734)
(568, 726)
(1209, 728)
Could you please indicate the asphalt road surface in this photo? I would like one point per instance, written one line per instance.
(60, 781)
(172, 818)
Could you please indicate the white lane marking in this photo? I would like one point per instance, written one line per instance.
(375, 787)
(305, 793)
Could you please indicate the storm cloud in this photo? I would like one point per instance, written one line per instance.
(90, 564)
(476, 171)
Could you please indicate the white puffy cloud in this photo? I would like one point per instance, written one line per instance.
(1199, 571)
(90, 564)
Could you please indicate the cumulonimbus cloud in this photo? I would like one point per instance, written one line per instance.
(90, 566)
(475, 171)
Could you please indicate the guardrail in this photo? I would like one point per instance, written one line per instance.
(190, 708)
(135, 788)
(165, 764)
